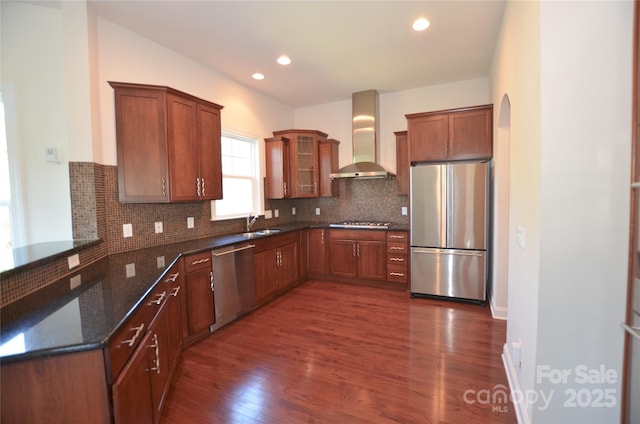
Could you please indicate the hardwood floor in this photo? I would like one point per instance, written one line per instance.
(338, 353)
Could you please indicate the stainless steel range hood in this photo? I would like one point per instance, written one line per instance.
(364, 138)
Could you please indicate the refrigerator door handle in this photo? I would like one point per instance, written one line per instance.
(444, 205)
(449, 252)
(634, 331)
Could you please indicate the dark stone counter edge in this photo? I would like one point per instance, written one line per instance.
(190, 247)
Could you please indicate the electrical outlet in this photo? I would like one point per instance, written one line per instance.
(158, 227)
(317, 211)
(130, 270)
(404, 210)
(75, 281)
(127, 230)
(521, 236)
(293, 211)
(276, 213)
(73, 260)
(190, 222)
(160, 262)
(267, 214)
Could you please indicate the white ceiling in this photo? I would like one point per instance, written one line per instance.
(337, 47)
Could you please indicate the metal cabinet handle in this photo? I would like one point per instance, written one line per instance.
(322, 237)
(172, 278)
(285, 188)
(354, 249)
(396, 248)
(175, 291)
(198, 186)
(200, 261)
(156, 347)
(133, 339)
(396, 237)
(358, 250)
(163, 185)
(226, 252)
(397, 259)
(396, 274)
(203, 187)
(211, 278)
(159, 300)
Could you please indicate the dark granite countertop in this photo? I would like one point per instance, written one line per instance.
(84, 310)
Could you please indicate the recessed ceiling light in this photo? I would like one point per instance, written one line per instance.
(284, 60)
(421, 24)
(257, 76)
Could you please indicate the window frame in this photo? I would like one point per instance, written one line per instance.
(257, 178)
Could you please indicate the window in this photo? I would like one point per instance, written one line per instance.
(240, 179)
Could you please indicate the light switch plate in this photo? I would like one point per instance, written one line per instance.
(293, 211)
(317, 211)
(404, 210)
(190, 222)
(127, 230)
(160, 262)
(75, 281)
(521, 236)
(267, 214)
(73, 260)
(130, 270)
(158, 227)
(276, 213)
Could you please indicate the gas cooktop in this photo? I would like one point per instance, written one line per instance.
(361, 224)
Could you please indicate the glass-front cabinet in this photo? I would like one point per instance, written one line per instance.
(303, 160)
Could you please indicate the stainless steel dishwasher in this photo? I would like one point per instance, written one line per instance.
(233, 282)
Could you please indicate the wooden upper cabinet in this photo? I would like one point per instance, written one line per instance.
(456, 134)
(277, 167)
(402, 162)
(304, 174)
(328, 162)
(168, 145)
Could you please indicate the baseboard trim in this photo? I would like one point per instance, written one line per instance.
(497, 312)
(514, 386)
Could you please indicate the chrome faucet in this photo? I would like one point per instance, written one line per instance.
(250, 221)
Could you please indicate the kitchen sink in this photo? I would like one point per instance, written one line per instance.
(257, 233)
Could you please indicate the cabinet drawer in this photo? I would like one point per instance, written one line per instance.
(397, 273)
(374, 235)
(397, 236)
(197, 261)
(397, 248)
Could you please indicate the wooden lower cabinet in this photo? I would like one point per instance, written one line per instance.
(358, 254)
(276, 264)
(199, 293)
(317, 253)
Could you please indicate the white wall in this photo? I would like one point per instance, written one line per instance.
(33, 53)
(128, 57)
(335, 118)
(516, 73)
(566, 67)
(586, 83)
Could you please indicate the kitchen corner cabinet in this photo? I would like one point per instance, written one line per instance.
(168, 145)
(276, 264)
(456, 134)
(358, 254)
(318, 242)
(200, 310)
(276, 151)
(304, 165)
(328, 163)
(402, 162)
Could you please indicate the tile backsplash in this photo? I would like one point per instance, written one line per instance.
(98, 213)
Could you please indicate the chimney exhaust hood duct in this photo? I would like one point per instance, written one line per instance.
(364, 138)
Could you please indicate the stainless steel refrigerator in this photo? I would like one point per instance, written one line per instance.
(449, 219)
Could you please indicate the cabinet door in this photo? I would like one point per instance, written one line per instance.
(343, 260)
(132, 401)
(328, 163)
(200, 302)
(470, 134)
(277, 167)
(160, 361)
(402, 162)
(174, 320)
(317, 251)
(183, 148)
(266, 271)
(304, 166)
(288, 265)
(141, 145)
(428, 138)
(209, 152)
(372, 260)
